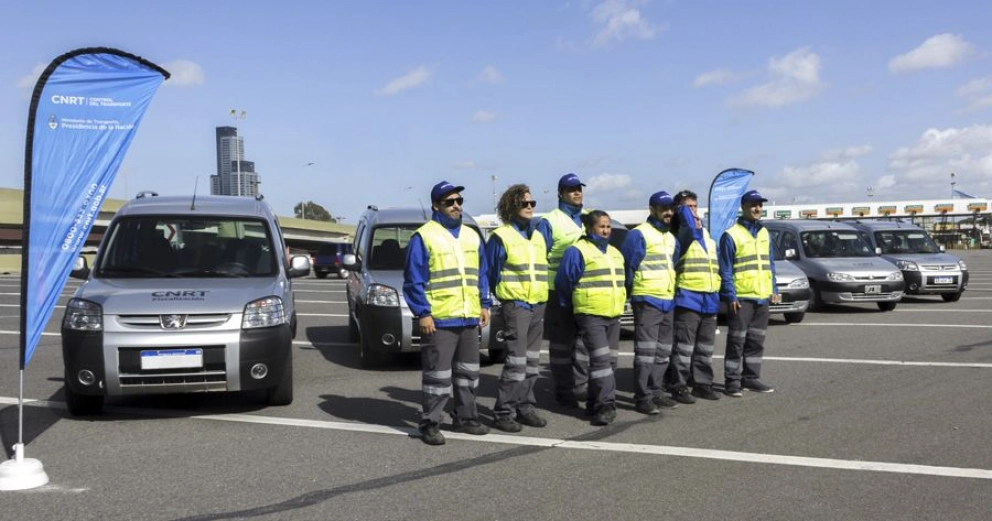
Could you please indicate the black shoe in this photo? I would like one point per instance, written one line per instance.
(581, 396)
(682, 395)
(507, 424)
(431, 435)
(472, 427)
(604, 416)
(664, 402)
(733, 391)
(567, 401)
(531, 419)
(648, 408)
(705, 392)
(758, 387)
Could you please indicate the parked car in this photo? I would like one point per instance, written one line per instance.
(793, 288)
(183, 298)
(330, 259)
(839, 263)
(378, 316)
(926, 268)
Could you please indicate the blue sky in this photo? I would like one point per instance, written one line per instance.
(821, 99)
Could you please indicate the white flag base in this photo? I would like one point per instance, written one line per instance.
(22, 473)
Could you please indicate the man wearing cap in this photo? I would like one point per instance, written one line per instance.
(650, 252)
(446, 285)
(747, 267)
(561, 227)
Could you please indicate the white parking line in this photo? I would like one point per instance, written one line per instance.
(558, 443)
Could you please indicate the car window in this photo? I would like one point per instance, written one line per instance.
(905, 241)
(389, 245)
(188, 247)
(789, 242)
(834, 243)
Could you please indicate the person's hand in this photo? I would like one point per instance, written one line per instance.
(484, 317)
(776, 298)
(426, 325)
(734, 307)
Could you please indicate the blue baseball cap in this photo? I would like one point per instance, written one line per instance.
(569, 181)
(442, 189)
(661, 198)
(752, 196)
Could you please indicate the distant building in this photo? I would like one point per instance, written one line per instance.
(235, 175)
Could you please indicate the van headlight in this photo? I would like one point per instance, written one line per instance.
(840, 277)
(895, 275)
(83, 315)
(264, 312)
(907, 265)
(799, 283)
(962, 265)
(384, 296)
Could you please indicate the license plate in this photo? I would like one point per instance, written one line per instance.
(172, 359)
(873, 289)
(943, 280)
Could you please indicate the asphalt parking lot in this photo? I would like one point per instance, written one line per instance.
(875, 416)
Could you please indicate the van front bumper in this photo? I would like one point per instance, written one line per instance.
(857, 291)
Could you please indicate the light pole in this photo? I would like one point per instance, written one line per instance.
(871, 192)
(238, 115)
(952, 185)
(495, 202)
(303, 205)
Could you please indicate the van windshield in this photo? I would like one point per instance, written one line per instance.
(834, 243)
(905, 241)
(388, 250)
(166, 246)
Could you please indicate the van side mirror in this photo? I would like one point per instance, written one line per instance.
(350, 262)
(80, 268)
(299, 266)
(790, 254)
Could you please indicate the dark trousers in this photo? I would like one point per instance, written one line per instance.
(569, 356)
(601, 336)
(745, 343)
(652, 350)
(450, 360)
(695, 334)
(524, 328)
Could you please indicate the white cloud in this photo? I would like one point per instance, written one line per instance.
(834, 175)
(483, 116)
(980, 103)
(464, 165)
(412, 79)
(715, 77)
(843, 154)
(184, 73)
(937, 153)
(942, 50)
(607, 182)
(28, 82)
(795, 77)
(490, 75)
(975, 87)
(619, 20)
(886, 181)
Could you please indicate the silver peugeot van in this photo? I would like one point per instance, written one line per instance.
(186, 294)
(925, 267)
(842, 268)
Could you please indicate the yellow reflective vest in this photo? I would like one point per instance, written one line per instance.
(655, 275)
(698, 270)
(752, 268)
(524, 276)
(453, 287)
(564, 233)
(600, 290)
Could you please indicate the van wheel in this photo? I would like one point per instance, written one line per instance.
(795, 318)
(320, 274)
(353, 335)
(82, 404)
(282, 392)
(886, 306)
(370, 358)
(498, 356)
(950, 297)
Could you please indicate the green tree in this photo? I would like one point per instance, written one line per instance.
(312, 211)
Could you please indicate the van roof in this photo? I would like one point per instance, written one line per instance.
(884, 225)
(204, 205)
(807, 224)
(376, 216)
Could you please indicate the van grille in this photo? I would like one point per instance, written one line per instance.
(192, 321)
(212, 377)
(940, 267)
(870, 278)
(213, 371)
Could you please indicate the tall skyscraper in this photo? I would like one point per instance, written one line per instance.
(235, 175)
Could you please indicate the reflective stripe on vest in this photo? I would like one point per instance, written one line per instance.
(752, 268)
(600, 290)
(564, 233)
(524, 276)
(698, 270)
(655, 275)
(453, 286)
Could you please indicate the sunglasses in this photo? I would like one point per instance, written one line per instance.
(528, 204)
(448, 203)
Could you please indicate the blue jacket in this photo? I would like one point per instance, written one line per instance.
(496, 256)
(634, 249)
(704, 303)
(417, 273)
(544, 227)
(728, 250)
(572, 267)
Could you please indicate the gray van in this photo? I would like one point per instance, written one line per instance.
(842, 268)
(378, 316)
(185, 295)
(925, 267)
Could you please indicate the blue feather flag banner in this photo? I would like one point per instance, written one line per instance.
(85, 110)
(725, 200)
